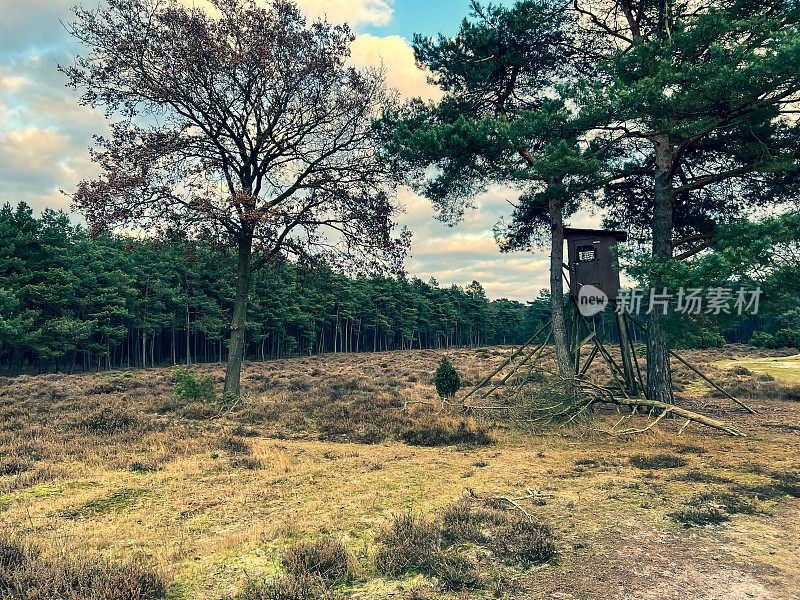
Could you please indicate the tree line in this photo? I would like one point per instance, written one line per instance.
(70, 301)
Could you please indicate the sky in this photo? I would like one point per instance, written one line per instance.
(45, 134)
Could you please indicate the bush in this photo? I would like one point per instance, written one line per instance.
(658, 461)
(698, 339)
(24, 573)
(446, 379)
(785, 338)
(193, 388)
(409, 543)
(328, 559)
(413, 544)
(285, 587)
(443, 431)
(762, 340)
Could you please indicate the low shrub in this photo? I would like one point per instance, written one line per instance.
(461, 521)
(108, 421)
(688, 449)
(791, 393)
(235, 445)
(29, 478)
(284, 587)
(733, 503)
(739, 370)
(700, 515)
(24, 573)
(769, 491)
(521, 540)
(455, 571)
(409, 543)
(199, 411)
(328, 559)
(13, 466)
(190, 387)
(657, 461)
(445, 431)
(413, 544)
(142, 468)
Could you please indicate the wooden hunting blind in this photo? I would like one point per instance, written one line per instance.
(591, 261)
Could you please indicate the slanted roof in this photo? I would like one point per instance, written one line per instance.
(620, 236)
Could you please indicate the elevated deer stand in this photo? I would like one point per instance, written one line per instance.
(591, 263)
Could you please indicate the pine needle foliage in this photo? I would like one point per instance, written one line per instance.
(446, 379)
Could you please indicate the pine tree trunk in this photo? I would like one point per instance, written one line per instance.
(659, 376)
(233, 371)
(560, 338)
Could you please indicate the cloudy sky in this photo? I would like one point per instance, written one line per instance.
(44, 134)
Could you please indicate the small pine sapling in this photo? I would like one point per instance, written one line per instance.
(446, 379)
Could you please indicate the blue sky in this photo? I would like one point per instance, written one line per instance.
(421, 16)
(45, 135)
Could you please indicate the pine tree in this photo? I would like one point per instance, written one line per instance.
(503, 121)
(446, 379)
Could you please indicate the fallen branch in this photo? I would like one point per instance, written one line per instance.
(682, 412)
(515, 504)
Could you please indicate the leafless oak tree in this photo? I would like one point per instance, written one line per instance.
(243, 123)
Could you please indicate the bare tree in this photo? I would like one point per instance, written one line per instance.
(243, 124)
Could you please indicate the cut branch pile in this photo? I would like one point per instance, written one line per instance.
(539, 397)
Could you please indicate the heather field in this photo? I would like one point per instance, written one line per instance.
(339, 476)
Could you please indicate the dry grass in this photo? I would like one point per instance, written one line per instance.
(320, 449)
(26, 573)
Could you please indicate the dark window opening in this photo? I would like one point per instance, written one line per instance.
(587, 254)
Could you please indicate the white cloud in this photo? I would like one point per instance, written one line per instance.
(466, 252)
(31, 150)
(457, 243)
(354, 12)
(11, 82)
(394, 53)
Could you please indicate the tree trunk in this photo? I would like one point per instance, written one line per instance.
(659, 375)
(188, 340)
(233, 371)
(565, 367)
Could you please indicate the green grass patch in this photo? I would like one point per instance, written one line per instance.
(113, 503)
